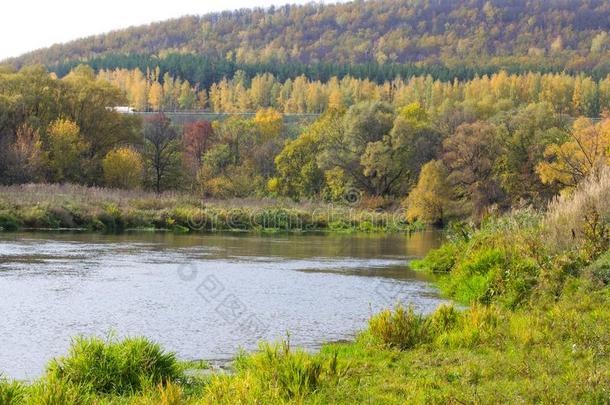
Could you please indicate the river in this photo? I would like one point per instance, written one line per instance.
(202, 296)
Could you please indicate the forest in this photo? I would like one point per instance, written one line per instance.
(441, 150)
(536, 34)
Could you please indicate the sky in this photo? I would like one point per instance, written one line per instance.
(26, 25)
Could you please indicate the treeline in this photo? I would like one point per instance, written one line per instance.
(548, 33)
(482, 96)
(205, 71)
(459, 151)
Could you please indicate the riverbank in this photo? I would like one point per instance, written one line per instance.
(104, 210)
(537, 286)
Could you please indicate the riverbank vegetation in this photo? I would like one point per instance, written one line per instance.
(537, 290)
(95, 209)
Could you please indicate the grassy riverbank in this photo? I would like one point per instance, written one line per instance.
(537, 286)
(105, 210)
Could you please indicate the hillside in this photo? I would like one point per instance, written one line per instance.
(541, 34)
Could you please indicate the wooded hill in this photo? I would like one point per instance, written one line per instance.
(531, 34)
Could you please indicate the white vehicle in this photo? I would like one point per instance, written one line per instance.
(122, 109)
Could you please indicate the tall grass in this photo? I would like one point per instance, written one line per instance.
(582, 219)
(11, 392)
(115, 366)
(276, 374)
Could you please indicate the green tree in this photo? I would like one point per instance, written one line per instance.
(298, 172)
(353, 143)
(524, 135)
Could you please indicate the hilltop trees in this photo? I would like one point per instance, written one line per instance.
(535, 34)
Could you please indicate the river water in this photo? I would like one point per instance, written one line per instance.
(202, 296)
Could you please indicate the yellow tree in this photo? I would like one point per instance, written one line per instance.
(155, 96)
(66, 147)
(123, 168)
(586, 150)
(430, 199)
(269, 122)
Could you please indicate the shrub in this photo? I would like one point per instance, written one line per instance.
(402, 329)
(441, 260)
(444, 319)
(111, 366)
(123, 168)
(472, 278)
(474, 326)
(8, 222)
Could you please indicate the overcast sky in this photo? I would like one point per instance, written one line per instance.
(26, 25)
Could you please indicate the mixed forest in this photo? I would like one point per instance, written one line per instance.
(442, 150)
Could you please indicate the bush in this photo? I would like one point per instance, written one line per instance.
(402, 329)
(477, 325)
(113, 366)
(444, 319)
(472, 278)
(8, 222)
(439, 260)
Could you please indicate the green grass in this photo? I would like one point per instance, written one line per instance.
(115, 367)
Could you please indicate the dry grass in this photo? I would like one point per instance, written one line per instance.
(72, 206)
(581, 219)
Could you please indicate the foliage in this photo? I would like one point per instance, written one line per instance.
(586, 151)
(123, 168)
(66, 147)
(161, 152)
(430, 200)
(470, 155)
(471, 33)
